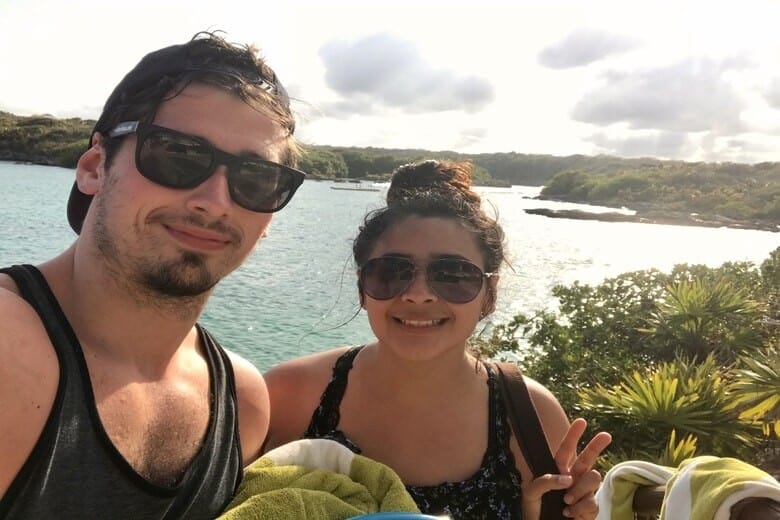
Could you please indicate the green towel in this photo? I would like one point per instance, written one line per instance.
(316, 479)
(701, 488)
(616, 494)
(706, 487)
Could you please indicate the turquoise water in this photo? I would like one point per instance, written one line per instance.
(296, 294)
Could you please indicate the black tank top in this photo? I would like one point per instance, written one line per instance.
(74, 471)
(492, 492)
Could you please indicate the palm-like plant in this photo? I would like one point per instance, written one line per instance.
(757, 389)
(676, 451)
(699, 317)
(691, 398)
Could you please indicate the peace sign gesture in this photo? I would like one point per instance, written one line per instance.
(576, 476)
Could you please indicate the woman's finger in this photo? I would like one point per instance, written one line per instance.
(583, 486)
(590, 454)
(567, 451)
(581, 496)
(541, 485)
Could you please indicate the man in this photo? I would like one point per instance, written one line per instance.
(113, 401)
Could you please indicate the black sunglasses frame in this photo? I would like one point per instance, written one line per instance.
(430, 269)
(290, 178)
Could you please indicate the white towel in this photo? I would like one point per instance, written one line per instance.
(702, 488)
(705, 488)
(616, 494)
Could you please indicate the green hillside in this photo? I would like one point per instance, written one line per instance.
(729, 194)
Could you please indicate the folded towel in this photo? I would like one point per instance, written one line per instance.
(702, 488)
(706, 487)
(317, 479)
(616, 494)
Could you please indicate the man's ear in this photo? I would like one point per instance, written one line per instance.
(90, 168)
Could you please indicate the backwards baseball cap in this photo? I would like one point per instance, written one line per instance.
(162, 70)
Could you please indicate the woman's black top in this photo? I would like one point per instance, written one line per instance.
(492, 492)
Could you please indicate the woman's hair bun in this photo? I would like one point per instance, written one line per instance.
(431, 177)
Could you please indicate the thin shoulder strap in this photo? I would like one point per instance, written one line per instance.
(529, 434)
(34, 289)
(327, 415)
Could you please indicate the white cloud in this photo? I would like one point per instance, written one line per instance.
(687, 78)
(382, 71)
(583, 47)
(773, 93)
(688, 96)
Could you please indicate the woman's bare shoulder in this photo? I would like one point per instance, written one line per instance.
(295, 388)
(551, 414)
(305, 370)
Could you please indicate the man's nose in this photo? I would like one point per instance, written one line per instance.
(212, 196)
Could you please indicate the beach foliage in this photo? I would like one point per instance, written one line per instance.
(667, 362)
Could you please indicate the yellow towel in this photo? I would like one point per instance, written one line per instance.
(702, 488)
(706, 487)
(317, 479)
(616, 494)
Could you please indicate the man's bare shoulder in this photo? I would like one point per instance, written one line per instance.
(254, 409)
(25, 347)
(7, 283)
(19, 318)
(29, 375)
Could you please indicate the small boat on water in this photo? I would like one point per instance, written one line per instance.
(350, 188)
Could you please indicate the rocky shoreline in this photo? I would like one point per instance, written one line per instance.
(26, 158)
(674, 219)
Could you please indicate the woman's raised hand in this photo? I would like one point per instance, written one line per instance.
(576, 476)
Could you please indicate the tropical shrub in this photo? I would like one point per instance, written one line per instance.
(647, 407)
(700, 318)
(671, 363)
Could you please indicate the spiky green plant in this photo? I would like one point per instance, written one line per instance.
(691, 398)
(757, 389)
(677, 451)
(700, 317)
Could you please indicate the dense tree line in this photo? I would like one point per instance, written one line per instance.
(736, 191)
(43, 139)
(714, 190)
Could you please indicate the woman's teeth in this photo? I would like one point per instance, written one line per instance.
(425, 323)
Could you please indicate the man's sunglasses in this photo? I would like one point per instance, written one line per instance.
(181, 161)
(452, 279)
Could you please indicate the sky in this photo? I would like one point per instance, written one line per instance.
(684, 79)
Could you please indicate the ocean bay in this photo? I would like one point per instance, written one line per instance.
(297, 294)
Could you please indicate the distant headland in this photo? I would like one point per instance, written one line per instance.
(745, 196)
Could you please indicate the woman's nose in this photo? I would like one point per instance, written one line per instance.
(419, 291)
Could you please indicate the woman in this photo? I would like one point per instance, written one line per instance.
(416, 399)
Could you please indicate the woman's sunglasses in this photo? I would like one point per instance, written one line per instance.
(452, 279)
(177, 160)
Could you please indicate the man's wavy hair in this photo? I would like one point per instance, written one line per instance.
(207, 58)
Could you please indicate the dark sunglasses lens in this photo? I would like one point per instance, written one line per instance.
(384, 278)
(261, 186)
(173, 160)
(456, 281)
